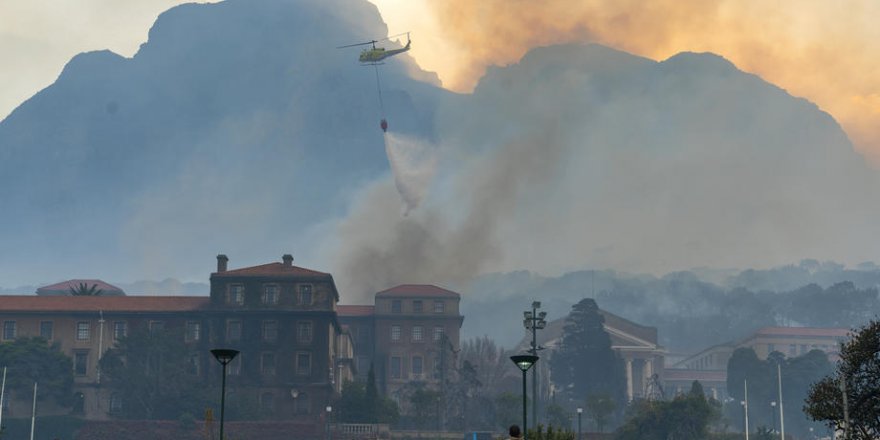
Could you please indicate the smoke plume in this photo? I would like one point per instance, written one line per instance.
(413, 164)
(824, 51)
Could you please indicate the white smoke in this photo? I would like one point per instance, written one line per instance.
(413, 162)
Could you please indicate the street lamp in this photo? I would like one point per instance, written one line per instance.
(580, 412)
(524, 362)
(534, 321)
(329, 411)
(773, 406)
(224, 356)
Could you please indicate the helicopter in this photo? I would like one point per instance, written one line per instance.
(375, 55)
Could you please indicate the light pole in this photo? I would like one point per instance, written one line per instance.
(535, 321)
(329, 411)
(745, 404)
(773, 406)
(781, 410)
(580, 412)
(224, 356)
(524, 362)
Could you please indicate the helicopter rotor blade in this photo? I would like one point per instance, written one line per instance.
(394, 36)
(359, 44)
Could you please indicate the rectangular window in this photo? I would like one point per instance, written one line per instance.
(233, 330)
(438, 333)
(305, 294)
(439, 307)
(417, 367)
(120, 330)
(417, 306)
(304, 332)
(8, 330)
(193, 331)
(396, 306)
(304, 364)
(47, 330)
(234, 367)
(270, 331)
(395, 367)
(236, 294)
(157, 328)
(82, 331)
(267, 364)
(80, 363)
(417, 331)
(395, 332)
(195, 364)
(270, 294)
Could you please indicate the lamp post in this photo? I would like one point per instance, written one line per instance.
(773, 406)
(534, 321)
(224, 356)
(580, 411)
(329, 411)
(524, 362)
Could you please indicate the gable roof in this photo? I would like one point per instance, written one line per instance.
(419, 290)
(63, 288)
(271, 269)
(22, 303)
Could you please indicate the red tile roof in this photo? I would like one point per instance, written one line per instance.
(14, 303)
(346, 310)
(271, 269)
(423, 290)
(803, 331)
(65, 286)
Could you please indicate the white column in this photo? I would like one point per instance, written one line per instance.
(629, 379)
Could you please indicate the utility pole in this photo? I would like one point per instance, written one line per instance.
(535, 321)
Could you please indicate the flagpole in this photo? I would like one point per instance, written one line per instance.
(34, 411)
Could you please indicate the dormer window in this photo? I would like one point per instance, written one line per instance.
(270, 294)
(236, 294)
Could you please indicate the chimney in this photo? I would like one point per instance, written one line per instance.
(221, 262)
(287, 259)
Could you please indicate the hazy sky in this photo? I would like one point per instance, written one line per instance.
(824, 51)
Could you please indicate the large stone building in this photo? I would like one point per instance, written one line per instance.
(409, 335)
(282, 318)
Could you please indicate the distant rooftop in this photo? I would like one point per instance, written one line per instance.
(63, 288)
(22, 303)
(421, 290)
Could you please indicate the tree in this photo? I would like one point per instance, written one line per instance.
(156, 378)
(84, 290)
(585, 364)
(508, 410)
(30, 360)
(556, 415)
(600, 407)
(425, 406)
(687, 417)
(361, 403)
(859, 370)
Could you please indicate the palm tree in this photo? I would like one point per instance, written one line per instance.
(84, 290)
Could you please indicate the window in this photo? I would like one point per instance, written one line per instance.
(234, 367)
(270, 331)
(194, 366)
(439, 307)
(438, 333)
(303, 403)
(417, 367)
(417, 306)
(82, 331)
(304, 364)
(193, 331)
(267, 402)
(396, 306)
(47, 330)
(395, 332)
(417, 331)
(120, 330)
(305, 294)
(233, 331)
(395, 367)
(235, 294)
(157, 328)
(8, 330)
(267, 364)
(304, 332)
(115, 404)
(80, 363)
(270, 294)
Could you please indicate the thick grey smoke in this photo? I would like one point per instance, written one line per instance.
(413, 162)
